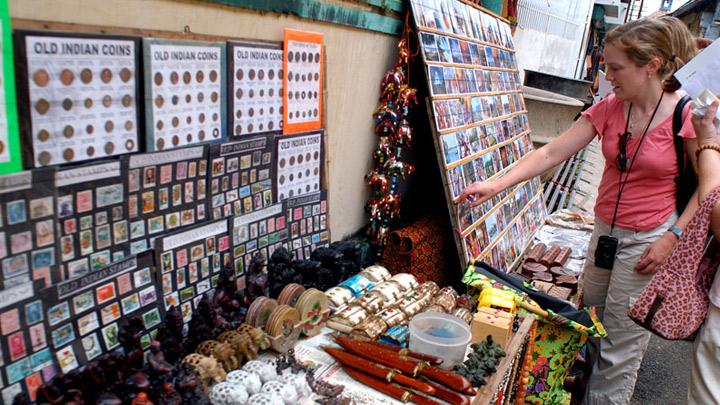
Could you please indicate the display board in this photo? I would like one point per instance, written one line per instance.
(480, 125)
(27, 228)
(185, 87)
(92, 217)
(262, 232)
(303, 83)
(27, 360)
(166, 191)
(189, 262)
(10, 150)
(79, 95)
(241, 176)
(307, 224)
(255, 82)
(84, 314)
(299, 164)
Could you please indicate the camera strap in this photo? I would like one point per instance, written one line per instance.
(627, 173)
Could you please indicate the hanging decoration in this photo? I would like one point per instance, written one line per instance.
(394, 137)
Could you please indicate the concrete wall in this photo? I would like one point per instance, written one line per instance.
(356, 61)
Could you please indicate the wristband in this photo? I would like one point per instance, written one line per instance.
(677, 231)
(712, 146)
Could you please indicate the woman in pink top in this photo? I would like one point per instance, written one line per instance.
(636, 225)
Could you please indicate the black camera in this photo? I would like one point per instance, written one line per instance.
(605, 252)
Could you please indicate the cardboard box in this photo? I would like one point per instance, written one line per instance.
(498, 325)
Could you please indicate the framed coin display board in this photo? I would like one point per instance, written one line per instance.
(255, 81)
(27, 227)
(307, 223)
(299, 165)
(166, 191)
(10, 148)
(303, 81)
(262, 232)
(480, 125)
(92, 217)
(241, 176)
(185, 87)
(79, 96)
(189, 262)
(84, 315)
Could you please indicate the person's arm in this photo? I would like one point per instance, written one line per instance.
(708, 161)
(570, 142)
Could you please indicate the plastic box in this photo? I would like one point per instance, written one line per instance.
(440, 335)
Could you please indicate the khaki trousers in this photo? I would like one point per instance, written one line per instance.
(704, 385)
(617, 358)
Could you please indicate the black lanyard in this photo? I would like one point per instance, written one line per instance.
(627, 173)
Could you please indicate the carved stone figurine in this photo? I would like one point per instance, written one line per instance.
(159, 368)
(257, 279)
(189, 387)
(130, 331)
(260, 339)
(171, 336)
(141, 399)
(241, 343)
(207, 369)
(169, 396)
(222, 352)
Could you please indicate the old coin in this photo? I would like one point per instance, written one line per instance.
(109, 126)
(67, 104)
(127, 100)
(88, 103)
(90, 150)
(187, 77)
(68, 154)
(160, 143)
(158, 78)
(199, 76)
(41, 77)
(129, 144)
(68, 131)
(106, 75)
(125, 74)
(86, 75)
(67, 77)
(44, 158)
(213, 76)
(43, 135)
(107, 101)
(109, 148)
(42, 106)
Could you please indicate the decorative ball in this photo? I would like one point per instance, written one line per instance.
(265, 399)
(283, 390)
(264, 370)
(250, 381)
(227, 393)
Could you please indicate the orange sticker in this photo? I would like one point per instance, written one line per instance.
(303, 69)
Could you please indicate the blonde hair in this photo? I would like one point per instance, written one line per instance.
(665, 38)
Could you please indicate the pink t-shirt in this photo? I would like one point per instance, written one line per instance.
(648, 198)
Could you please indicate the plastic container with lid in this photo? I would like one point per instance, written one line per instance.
(440, 335)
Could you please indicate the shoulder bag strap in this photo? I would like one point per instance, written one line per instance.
(677, 124)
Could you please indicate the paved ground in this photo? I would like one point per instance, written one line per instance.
(664, 373)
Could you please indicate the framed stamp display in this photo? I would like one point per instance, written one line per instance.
(93, 228)
(189, 262)
(79, 95)
(303, 64)
(166, 191)
(307, 224)
(479, 123)
(299, 164)
(241, 176)
(185, 87)
(10, 148)
(84, 315)
(262, 231)
(27, 228)
(27, 360)
(255, 83)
